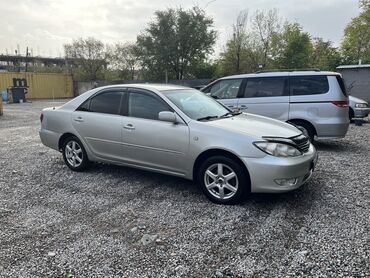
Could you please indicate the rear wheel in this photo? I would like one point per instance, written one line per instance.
(74, 154)
(223, 180)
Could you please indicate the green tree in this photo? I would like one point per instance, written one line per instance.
(356, 41)
(88, 58)
(324, 55)
(250, 49)
(175, 41)
(265, 26)
(292, 49)
(234, 56)
(203, 70)
(122, 58)
(364, 4)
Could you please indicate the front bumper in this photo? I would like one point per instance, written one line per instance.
(361, 112)
(264, 171)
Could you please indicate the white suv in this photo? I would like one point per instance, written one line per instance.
(315, 101)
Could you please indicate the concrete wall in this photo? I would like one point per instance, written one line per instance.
(357, 82)
(40, 85)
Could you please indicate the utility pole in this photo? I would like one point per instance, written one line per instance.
(26, 59)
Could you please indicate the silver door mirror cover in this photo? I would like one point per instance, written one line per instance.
(167, 116)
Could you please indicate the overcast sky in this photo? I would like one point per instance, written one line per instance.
(45, 25)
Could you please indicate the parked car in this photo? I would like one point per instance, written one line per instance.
(358, 108)
(315, 101)
(180, 131)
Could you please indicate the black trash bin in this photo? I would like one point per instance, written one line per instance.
(18, 93)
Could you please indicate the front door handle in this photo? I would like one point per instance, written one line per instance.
(129, 127)
(78, 119)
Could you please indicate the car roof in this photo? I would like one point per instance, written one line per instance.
(156, 88)
(280, 73)
(147, 86)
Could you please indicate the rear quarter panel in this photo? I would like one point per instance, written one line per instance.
(328, 119)
(56, 122)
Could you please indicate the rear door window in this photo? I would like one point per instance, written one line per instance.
(266, 87)
(107, 103)
(308, 85)
(225, 89)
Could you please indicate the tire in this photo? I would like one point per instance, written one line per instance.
(306, 128)
(351, 114)
(74, 154)
(216, 184)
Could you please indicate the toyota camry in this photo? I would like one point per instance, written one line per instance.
(182, 132)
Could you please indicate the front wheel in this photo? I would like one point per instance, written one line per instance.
(223, 180)
(74, 154)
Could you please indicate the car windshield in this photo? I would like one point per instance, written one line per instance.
(196, 105)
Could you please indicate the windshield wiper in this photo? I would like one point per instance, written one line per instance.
(207, 118)
(218, 117)
(231, 114)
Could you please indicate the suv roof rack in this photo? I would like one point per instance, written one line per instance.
(287, 70)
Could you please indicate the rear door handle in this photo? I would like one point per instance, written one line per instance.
(78, 119)
(243, 107)
(129, 127)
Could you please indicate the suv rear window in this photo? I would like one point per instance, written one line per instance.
(341, 84)
(309, 85)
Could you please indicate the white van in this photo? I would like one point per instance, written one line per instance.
(315, 101)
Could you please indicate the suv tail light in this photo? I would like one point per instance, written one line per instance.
(41, 117)
(340, 103)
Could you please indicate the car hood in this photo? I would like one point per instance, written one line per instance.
(258, 126)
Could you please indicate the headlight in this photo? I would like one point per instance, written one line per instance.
(278, 149)
(361, 105)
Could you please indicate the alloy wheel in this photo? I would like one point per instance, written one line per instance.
(221, 181)
(73, 153)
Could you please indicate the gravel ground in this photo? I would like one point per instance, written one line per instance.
(118, 222)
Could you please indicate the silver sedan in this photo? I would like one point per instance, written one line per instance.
(180, 131)
(358, 108)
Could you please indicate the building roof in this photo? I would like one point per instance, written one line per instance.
(354, 66)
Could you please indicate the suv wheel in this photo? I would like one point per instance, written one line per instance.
(223, 180)
(74, 154)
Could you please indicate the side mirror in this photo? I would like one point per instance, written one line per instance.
(167, 116)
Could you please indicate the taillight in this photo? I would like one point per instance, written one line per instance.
(340, 103)
(41, 117)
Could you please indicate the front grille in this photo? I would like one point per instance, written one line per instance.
(302, 142)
